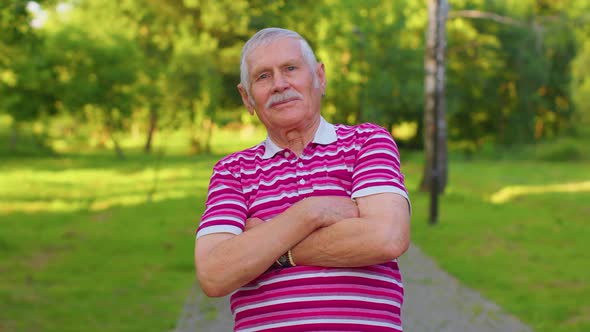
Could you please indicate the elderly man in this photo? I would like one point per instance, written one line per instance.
(304, 229)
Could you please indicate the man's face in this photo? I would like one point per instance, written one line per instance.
(282, 85)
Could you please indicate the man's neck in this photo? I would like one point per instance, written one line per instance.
(296, 139)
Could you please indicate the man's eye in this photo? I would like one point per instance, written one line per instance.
(262, 76)
(291, 68)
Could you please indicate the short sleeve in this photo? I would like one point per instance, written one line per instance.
(225, 208)
(377, 166)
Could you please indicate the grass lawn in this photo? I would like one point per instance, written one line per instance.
(82, 249)
(84, 246)
(526, 252)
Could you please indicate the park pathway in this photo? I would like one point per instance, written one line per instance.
(434, 302)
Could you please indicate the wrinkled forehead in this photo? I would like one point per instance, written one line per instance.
(276, 51)
(262, 46)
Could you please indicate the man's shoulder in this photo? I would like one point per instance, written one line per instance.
(249, 154)
(365, 129)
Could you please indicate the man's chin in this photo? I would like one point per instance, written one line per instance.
(288, 115)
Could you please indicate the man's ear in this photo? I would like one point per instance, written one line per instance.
(321, 75)
(245, 99)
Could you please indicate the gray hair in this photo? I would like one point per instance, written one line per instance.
(267, 36)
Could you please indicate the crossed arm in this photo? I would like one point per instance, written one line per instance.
(320, 231)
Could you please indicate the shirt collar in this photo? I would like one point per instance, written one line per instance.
(325, 134)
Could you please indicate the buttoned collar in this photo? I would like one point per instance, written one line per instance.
(325, 134)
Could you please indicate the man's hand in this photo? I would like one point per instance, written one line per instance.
(328, 210)
(379, 234)
(226, 262)
(252, 222)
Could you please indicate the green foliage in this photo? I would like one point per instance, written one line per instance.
(94, 72)
(572, 148)
(158, 64)
(562, 150)
(581, 82)
(24, 76)
(30, 139)
(15, 26)
(375, 63)
(509, 81)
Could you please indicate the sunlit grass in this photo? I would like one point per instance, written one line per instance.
(528, 254)
(223, 140)
(85, 249)
(28, 190)
(508, 193)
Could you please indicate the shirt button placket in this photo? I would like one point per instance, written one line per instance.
(300, 175)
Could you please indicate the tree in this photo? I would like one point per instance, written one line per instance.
(194, 43)
(507, 64)
(435, 172)
(25, 92)
(370, 51)
(95, 73)
(579, 21)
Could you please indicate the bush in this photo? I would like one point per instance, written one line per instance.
(564, 149)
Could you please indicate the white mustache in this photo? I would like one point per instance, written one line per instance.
(280, 97)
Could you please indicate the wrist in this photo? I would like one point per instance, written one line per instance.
(290, 257)
(314, 214)
(286, 260)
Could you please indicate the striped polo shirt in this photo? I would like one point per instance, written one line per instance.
(264, 181)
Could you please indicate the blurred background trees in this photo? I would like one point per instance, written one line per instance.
(92, 73)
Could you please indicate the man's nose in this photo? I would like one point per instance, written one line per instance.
(280, 82)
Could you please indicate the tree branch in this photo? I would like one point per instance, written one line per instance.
(477, 14)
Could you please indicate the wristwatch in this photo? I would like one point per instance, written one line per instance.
(284, 260)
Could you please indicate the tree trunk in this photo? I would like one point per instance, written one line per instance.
(152, 129)
(13, 137)
(195, 142)
(116, 145)
(434, 111)
(118, 149)
(209, 136)
(429, 94)
(208, 124)
(440, 109)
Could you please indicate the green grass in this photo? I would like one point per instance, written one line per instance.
(528, 253)
(84, 246)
